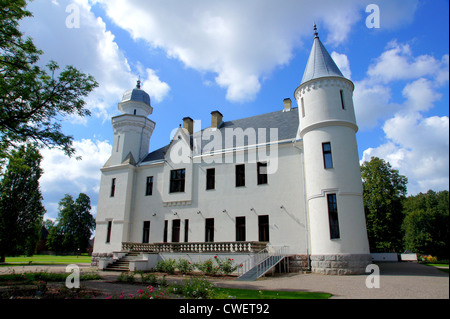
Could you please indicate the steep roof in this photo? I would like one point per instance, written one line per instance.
(285, 122)
(320, 63)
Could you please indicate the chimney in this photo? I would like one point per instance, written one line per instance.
(188, 124)
(216, 119)
(287, 105)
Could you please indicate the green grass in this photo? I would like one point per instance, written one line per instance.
(438, 265)
(46, 260)
(225, 293)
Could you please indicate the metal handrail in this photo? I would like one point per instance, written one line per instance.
(248, 264)
(262, 259)
(272, 259)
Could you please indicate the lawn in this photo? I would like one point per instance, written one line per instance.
(268, 294)
(47, 260)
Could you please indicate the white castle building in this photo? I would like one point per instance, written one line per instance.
(288, 182)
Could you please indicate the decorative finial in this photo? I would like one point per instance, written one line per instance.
(138, 85)
(316, 34)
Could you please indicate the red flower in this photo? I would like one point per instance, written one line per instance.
(215, 256)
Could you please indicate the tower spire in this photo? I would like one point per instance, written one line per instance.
(138, 85)
(316, 33)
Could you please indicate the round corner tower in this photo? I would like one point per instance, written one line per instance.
(337, 226)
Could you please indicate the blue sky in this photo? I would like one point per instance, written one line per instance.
(243, 58)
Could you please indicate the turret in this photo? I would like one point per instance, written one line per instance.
(132, 129)
(337, 227)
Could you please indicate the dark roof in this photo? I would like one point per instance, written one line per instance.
(320, 64)
(137, 95)
(286, 122)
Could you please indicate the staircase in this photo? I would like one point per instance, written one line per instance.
(122, 264)
(261, 263)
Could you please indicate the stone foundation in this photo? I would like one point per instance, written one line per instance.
(340, 264)
(96, 257)
(298, 263)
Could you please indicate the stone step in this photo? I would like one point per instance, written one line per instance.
(123, 263)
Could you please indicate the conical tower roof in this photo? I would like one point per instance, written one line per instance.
(320, 63)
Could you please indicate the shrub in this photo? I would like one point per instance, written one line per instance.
(226, 265)
(167, 266)
(184, 266)
(427, 259)
(150, 293)
(148, 278)
(126, 277)
(207, 267)
(197, 288)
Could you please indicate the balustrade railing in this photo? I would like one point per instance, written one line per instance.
(231, 247)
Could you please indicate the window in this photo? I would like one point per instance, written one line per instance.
(108, 232)
(149, 187)
(209, 230)
(211, 178)
(263, 228)
(327, 158)
(177, 180)
(240, 175)
(113, 187)
(146, 233)
(333, 216)
(342, 99)
(303, 107)
(262, 173)
(166, 225)
(186, 230)
(176, 230)
(240, 228)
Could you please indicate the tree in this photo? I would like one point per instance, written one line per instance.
(75, 225)
(384, 191)
(21, 209)
(426, 223)
(32, 100)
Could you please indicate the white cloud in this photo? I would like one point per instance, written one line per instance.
(398, 63)
(154, 87)
(67, 175)
(92, 49)
(373, 103)
(420, 95)
(422, 76)
(343, 64)
(240, 41)
(416, 145)
(418, 148)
